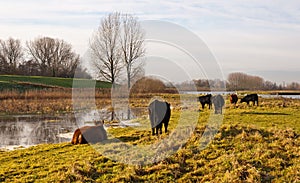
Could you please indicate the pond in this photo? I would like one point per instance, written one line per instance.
(21, 131)
(280, 96)
(27, 130)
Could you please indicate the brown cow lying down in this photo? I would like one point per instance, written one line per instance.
(89, 134)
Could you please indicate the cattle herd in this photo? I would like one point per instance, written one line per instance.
(159, 114)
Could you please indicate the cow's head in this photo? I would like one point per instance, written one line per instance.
(99, 123)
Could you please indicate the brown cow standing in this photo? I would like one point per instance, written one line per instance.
(233, 99)
(89, 134)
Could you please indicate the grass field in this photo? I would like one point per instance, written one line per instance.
(38, 82)
(253, 144)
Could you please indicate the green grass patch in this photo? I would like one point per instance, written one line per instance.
(38, 82)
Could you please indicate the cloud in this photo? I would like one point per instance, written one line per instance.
(195, 14)
(244, 35)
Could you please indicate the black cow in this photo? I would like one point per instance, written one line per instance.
(159, 113)
(233, 98)
(218, 102)
(205, 100)
(251, 97)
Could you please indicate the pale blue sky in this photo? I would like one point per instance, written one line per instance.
(251, 36)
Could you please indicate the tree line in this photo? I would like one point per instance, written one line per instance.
(44, 56)
(242, 81)
(237, 81)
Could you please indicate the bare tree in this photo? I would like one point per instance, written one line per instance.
(55, 57)
(293, 86)
(105, 50)
(11, 55)
(116, 46)
(132, 45)
(29, 68)
(234, 80)
(69, 67)
(118, 42)
(242, 81)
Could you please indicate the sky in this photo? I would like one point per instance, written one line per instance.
(257, 37)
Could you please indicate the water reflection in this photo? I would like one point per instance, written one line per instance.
(280, 96)
(27, 130)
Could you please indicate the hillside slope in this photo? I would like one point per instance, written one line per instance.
(39, 82)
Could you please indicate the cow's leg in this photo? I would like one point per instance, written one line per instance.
(156, 132)
(202, 105)
(83, 139)
(159, 128)
(166, 127)
(153, 131)
(80, 139)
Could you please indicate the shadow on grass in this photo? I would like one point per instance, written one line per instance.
(128, 138)
(235, 130)
(266, 113)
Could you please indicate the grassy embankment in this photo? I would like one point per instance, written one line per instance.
(40, 95)
(254, 144)
(22, 83)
